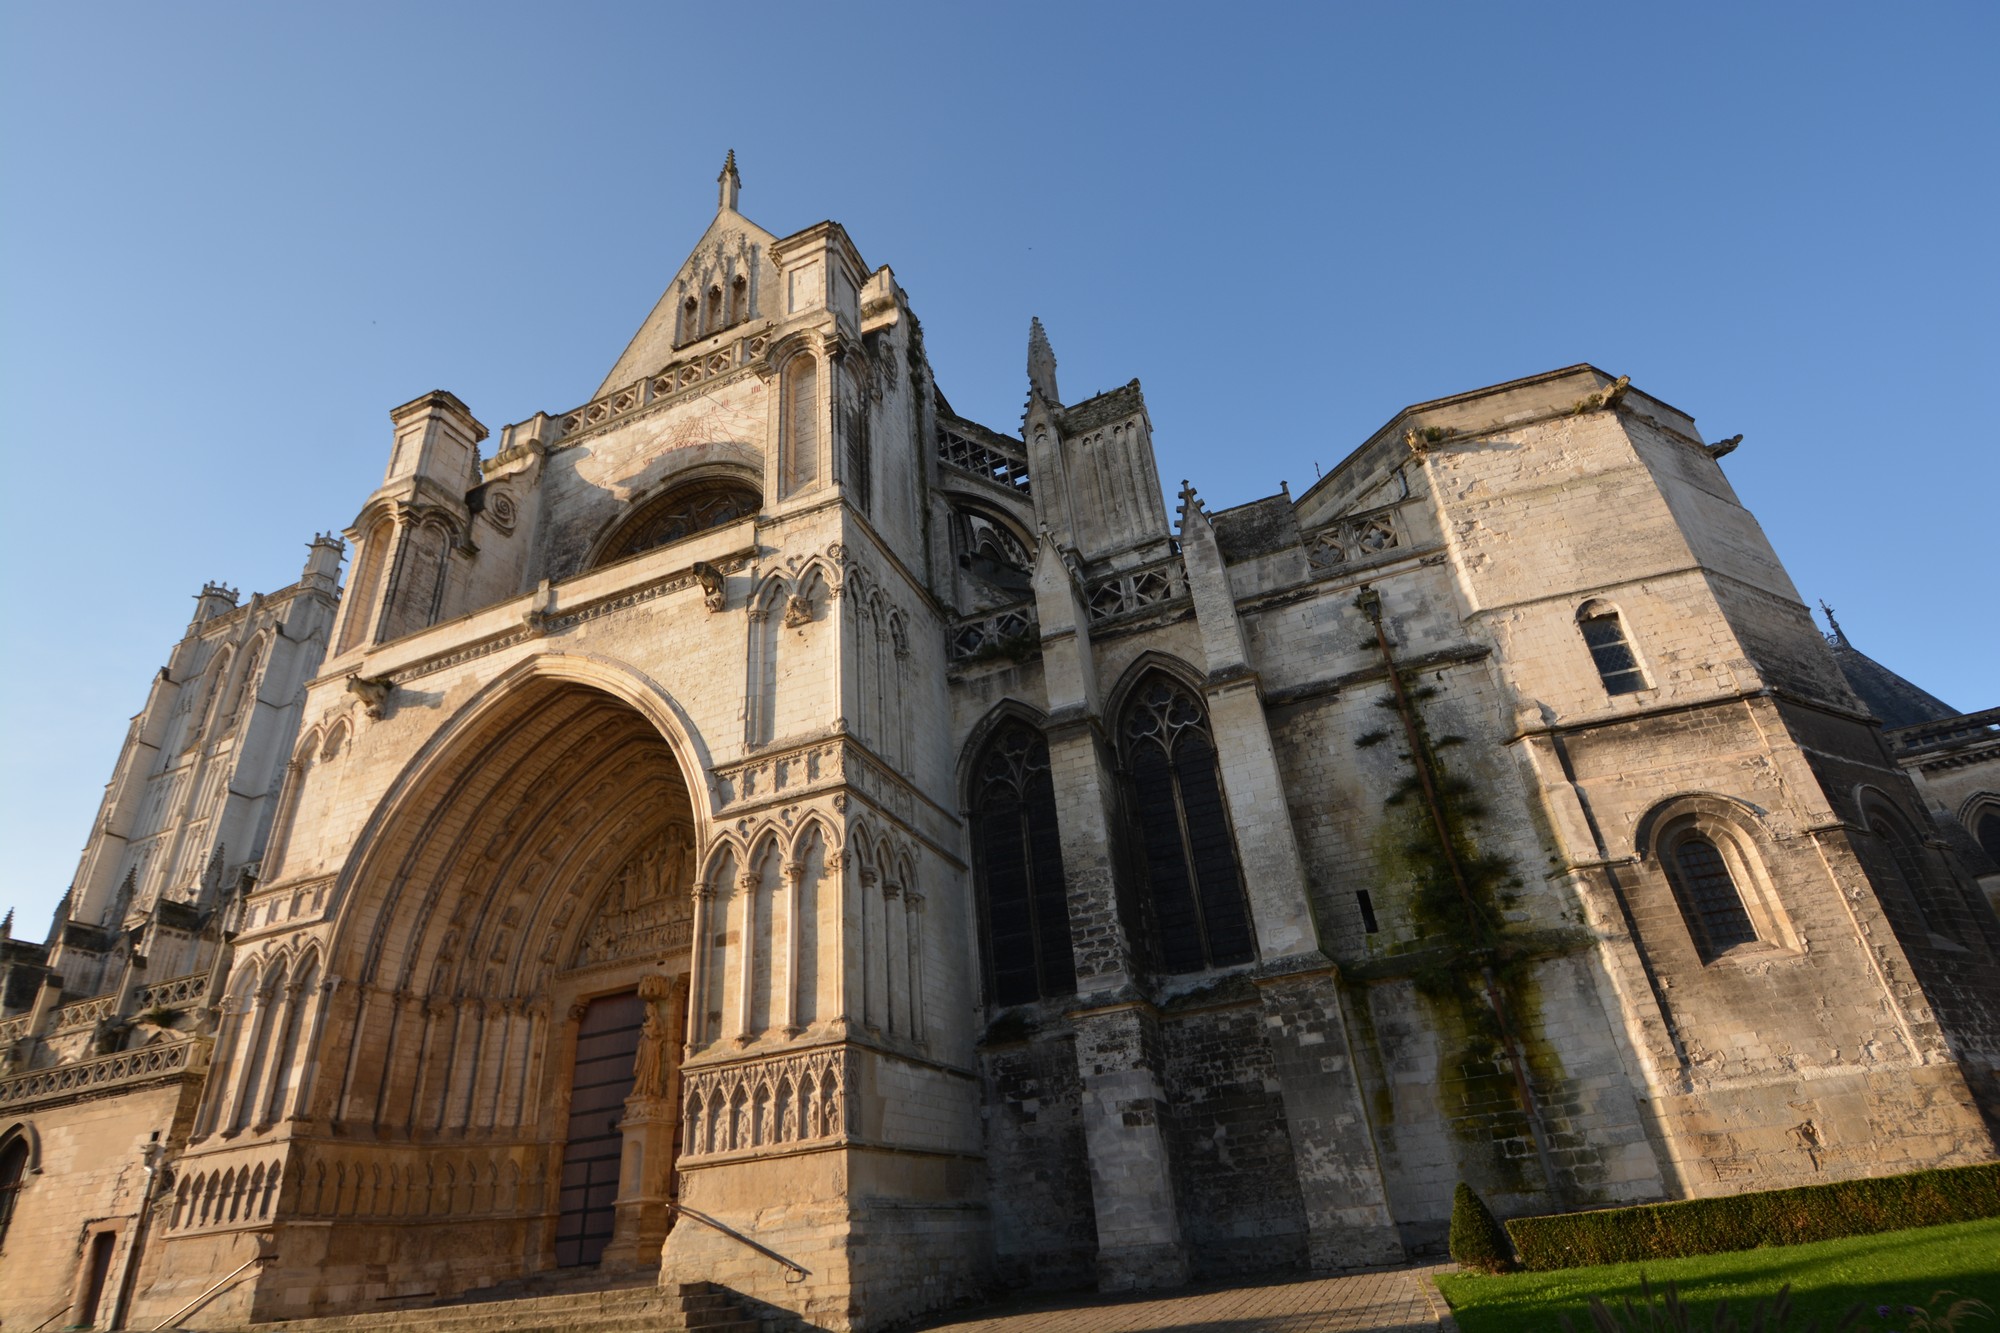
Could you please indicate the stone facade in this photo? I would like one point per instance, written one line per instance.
(765, 825)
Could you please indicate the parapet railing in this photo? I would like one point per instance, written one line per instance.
(1137, 589)
(996, 632)
(84, 1013)
(174, 992)
(89, 1075)
(983, 460)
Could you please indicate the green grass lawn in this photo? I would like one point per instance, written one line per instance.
(1895, 1268)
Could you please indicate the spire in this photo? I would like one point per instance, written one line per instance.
(1835, 636)
(731, 184)
(7, 926)
(1042, 364)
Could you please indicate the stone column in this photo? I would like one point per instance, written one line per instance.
(914, 927)
(895, 960)
(792, 874)
(695, 1033)
(746, 968)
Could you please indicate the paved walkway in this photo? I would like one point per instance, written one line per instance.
(1399, 1300)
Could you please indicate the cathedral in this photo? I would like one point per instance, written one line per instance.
(761, 828)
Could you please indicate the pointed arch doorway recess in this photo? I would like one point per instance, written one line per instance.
(519, 929)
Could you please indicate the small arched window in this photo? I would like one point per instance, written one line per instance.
(13, 1175)
(712, 317)
(1709, 897)
(739, 300)
(1194, 892)
(1017, 858)
(690, 320)
(1604, 634)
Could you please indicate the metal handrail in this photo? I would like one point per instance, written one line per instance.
(211, 1293)
(765, 1250)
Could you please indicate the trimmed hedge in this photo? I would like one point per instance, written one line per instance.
(1476, 1239)
(1748, 1221)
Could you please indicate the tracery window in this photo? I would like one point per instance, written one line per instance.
(1194, 891)
(1709, 897)
(1604, 634)
(1017, 858)
(680, 514)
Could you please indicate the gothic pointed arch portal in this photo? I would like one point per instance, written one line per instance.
(528, 884)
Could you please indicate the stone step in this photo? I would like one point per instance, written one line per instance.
(692, 1306)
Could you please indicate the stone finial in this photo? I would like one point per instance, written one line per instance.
(1190, 502)
(730, 184)
(7, 925)
(1835, 635)
(1042, 364)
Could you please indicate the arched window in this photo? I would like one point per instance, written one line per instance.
(364, 585)
(690, 320)
(13, 1174)
(1604, 633)
(1986, 828)
(1194, 893)
(799, 457)
(712, 316)
(1906, 863)
(1709, 897)
(739, 300)
(686, 511)
(1017, 857)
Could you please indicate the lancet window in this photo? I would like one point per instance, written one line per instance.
(1017, 857)
(799, 460)
(1193, 888)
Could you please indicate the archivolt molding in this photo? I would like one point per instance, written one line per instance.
(498, 712)
(1740, 817)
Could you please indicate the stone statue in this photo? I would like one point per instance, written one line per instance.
(649, 1072)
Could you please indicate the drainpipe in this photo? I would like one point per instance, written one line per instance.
(154, 1155)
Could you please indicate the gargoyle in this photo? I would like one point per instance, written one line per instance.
(1721, 447)
(714, 593)
(374, 694)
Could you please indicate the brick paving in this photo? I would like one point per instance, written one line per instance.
(1397, 1300)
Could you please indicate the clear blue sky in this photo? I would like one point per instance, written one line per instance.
(235, 236)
